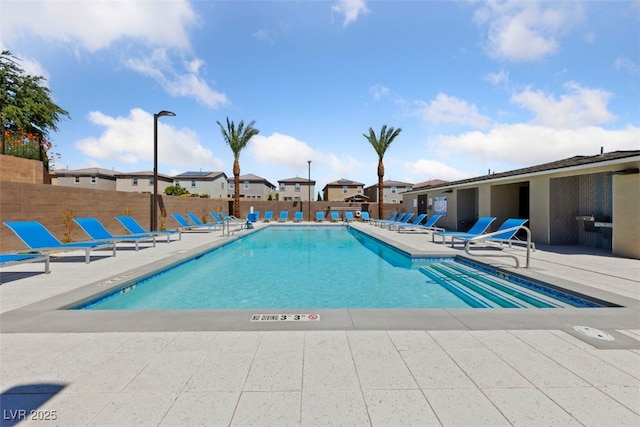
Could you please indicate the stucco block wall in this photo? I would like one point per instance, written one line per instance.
(16, 169)
(626, 215)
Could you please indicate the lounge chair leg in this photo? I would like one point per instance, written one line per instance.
(46, 264)
(87, 256)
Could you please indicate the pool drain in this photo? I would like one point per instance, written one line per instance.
(594, 333)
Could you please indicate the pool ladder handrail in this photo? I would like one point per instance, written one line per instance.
(484, 236)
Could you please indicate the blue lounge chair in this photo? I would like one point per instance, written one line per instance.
(348, 216)
(7, 260)
(297, 217)
(268, 216)
(216, 218)
(403, 220)
(429, 225)
(478, 228)
(39, 239)
(319, 216)
(365, 216)
(413, 223)
(198, 222)
(284, 216)
(335, 216)
(392, 218)
(133, 227)
(94, 229)
(508, 230)
(187, 226)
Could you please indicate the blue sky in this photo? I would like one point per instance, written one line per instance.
(475, 86)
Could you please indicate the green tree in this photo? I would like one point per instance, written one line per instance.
(237, 139)
(26, 106)
(380, 145)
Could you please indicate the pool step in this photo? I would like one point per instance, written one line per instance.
(480, 289)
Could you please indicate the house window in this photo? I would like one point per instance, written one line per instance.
(393, 190)
(246, 185)
(359, 190)
(222, 185)
(297, 187)
(151, 180)
(193, 183)
(76, 179)
(176, 182)
(93, 179)
(345, 189)
(296, 199)
(134, 180)
(283, 186)
(231, 185)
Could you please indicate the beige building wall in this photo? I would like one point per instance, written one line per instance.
(88, 182)
(289, 191)
(626, 215)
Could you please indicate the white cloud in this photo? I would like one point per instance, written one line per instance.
(351, 9)
(377, 91)
(501, 78)
(186, 83)
(97, 24)
(526, 31)
(628, 65)
(431, 169)
(284, 151)
(579, 107)
(527, 144)
(130, 140)
(452, 110)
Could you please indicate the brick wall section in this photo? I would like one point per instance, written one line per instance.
(16, 169)
(48, 203)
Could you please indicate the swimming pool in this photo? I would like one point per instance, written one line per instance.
(326, 267)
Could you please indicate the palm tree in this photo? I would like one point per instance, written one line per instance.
(380, 144)
(237, 139)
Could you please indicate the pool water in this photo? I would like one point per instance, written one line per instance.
(318, 267)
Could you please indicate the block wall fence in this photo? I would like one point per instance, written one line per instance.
(54, 206)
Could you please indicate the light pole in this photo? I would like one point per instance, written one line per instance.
(154, 200)
(309, 188)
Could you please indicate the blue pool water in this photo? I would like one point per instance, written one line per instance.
(322, 267)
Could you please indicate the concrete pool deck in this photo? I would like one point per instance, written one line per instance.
(357, 367)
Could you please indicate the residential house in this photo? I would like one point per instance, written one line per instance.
(214, 184)
(96, 178)
(392, 191)
(296, 189)
(251, 187)
(141, 182)
(343, 190)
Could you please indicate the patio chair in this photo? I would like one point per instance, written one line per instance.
(231, 218)
(39, 239)
(365, 216)
(478, 228)
(428, 226)
(94, 229)
(404, 219)
(197, 221)
(133, 227)
(268, 216)
(392, 218)
(297, 217)
(320, 216)
(413, 223)
(284, 216)
(187, 226)
(509, 228)
(335, 217)
(7, 260)
(348, 216)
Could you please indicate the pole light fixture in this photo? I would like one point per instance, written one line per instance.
(309, 188)
(154, 200)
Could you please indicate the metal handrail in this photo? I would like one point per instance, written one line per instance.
(484, 236)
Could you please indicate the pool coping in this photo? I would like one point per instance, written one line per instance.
(49, 315)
